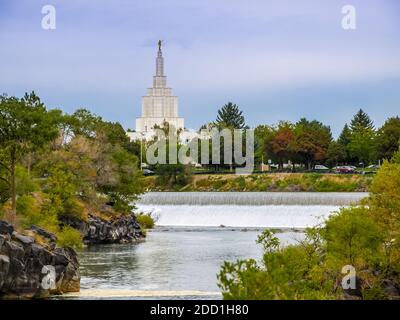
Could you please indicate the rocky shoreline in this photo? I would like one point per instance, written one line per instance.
(95, 230)
(33, 269)
(27, 259)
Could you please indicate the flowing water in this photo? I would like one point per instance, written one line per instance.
(252, 198)
(195, 234)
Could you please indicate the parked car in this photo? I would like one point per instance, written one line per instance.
(345, 169)
(148, 172)
(320, 167)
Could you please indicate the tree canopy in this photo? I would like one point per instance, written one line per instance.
(55, 165)
(230, 116)
(388, 138)
(25, 126)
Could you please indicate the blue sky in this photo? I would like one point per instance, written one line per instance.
(278, 60)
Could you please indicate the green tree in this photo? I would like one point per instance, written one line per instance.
(362, 145)
(311, 143)
(261, 134)
(388, 138)
(85, 123)
(361, 120)
(336, 154)
(344, 140)
(128, 183)
(173, 175)
(230, 116)
(25, 126)
(345, 136)
(352, 237)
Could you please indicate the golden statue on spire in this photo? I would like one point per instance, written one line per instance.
(159, 45)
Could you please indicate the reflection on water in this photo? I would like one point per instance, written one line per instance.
(173, 259)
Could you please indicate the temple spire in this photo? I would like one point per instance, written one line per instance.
(159, 61)
(159, 105)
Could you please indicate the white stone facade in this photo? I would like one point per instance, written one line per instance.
(159, 105)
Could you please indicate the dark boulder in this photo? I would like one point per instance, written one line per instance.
(50, 237)
(6, 228)
(4, 268)
(26, 267)
(25, 240)
(391, 289)
(95, 230)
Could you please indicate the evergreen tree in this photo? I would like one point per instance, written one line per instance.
(362, 139)
(343, 141)
(345, 136)
(361, 120)
(230, 115)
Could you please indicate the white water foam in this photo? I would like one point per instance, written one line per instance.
(252, 198)
(272, 216)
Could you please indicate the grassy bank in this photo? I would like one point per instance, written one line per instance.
(289, 182)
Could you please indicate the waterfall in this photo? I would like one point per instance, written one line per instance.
(282, 216)
(252, 198)
(245, 209)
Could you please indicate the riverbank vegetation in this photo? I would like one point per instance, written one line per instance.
(361, 241)
(55, 166)
(281, 182)
(145, 221)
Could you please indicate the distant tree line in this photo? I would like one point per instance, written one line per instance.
(310, 142)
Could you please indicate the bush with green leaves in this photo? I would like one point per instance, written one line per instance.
(69, 237)
(366, 236)
(145, 221)
(37, 210)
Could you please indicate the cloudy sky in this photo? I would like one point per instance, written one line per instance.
(276, 59)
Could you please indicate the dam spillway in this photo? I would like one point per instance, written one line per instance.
(252, 198)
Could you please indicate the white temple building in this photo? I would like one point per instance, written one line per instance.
(159, 106)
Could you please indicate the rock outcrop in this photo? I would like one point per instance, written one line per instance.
(95, 230)
(29, 269)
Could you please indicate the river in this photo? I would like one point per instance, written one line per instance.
(195, 233)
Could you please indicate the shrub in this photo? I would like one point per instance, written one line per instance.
(365, 236)
(325, 185)
(294, 265)
(73, 207)
(352, 237)
(145, 221)
(34, 210)
(69, 237)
